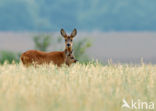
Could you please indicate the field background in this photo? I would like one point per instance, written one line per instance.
(121, 47)
(91, 87)
(121, 35)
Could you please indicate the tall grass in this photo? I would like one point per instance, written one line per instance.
(91, 87)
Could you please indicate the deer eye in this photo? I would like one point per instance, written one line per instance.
(71, 40)
(66, 40)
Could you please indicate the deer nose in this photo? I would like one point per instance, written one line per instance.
(68, 45)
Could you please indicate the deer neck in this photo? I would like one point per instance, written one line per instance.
(68, 51)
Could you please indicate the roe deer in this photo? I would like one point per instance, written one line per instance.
(57, 57)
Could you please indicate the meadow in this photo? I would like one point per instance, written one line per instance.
(91, 87)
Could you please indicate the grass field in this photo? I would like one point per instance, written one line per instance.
(91, 87)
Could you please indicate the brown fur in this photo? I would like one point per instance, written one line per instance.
(39, 57)
(57, 57)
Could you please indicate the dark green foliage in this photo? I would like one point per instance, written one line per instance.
(42, 42)
(9, 57)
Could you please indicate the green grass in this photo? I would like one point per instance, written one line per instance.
(91, 87)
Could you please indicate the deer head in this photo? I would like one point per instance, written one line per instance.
(68, 38)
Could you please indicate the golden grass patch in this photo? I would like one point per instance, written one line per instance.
(91, 87)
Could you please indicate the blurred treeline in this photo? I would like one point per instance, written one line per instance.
(42, 42)
(51, 15)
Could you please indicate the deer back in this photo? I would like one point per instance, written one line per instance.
(38, 57)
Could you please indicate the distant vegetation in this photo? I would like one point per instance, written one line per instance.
(9, 57)
(42, 42)
(80, 48)
(51, 15)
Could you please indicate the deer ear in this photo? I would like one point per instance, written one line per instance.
(63, 33)
(73, 34)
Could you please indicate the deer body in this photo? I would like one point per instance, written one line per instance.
(57, 57)
(39, 57)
